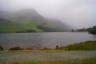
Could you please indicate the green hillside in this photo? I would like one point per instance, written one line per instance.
(7, 26)
(18, 26)
(29, 21)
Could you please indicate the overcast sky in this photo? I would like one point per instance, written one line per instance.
(77, 13)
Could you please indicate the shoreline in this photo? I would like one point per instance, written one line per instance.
(42, 51)
(83, 46)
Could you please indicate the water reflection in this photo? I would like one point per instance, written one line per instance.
(94, 36)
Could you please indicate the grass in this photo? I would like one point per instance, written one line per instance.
(88, 45)
(84, 46)
(7, 26)
(33, 51)
(70, 61)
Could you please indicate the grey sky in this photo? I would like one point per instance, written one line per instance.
(78, 13)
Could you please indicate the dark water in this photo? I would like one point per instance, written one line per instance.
(46, 39)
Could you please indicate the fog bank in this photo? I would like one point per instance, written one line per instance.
(77, 13)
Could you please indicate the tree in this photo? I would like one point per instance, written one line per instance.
(92, 30)
(1, 48)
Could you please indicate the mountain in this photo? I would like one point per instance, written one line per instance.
(27, 20)
(6, 26)
(5, 14)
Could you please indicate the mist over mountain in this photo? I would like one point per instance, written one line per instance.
(29, 14)
(76, 13)
(29, 20)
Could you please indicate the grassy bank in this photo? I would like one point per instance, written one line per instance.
(70, 61)
(33, 51)
(84, 46)
(88, 45)
(76, 61)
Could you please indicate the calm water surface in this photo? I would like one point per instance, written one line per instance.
(45, 39)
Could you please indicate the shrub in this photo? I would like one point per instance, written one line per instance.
(1, 48)
(16, 48)
(57, 46)
(92, 30)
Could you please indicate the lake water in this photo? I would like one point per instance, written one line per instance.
(44, 39)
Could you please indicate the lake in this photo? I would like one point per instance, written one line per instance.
(43, 39)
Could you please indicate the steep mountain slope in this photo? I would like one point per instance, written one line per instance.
(29, 21)
(8, 26)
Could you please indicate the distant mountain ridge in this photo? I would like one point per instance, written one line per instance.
(29, 21)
